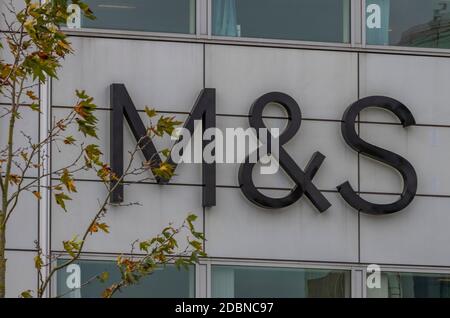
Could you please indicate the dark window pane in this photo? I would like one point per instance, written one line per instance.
(411, 285)
(416, 23)
(172, 16)
(268, 282)
(306, 20)
(167, 282)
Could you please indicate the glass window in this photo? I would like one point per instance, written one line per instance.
(306, 20)
(172, 16)
(269, 282)
(411, 285)
(168, 282)
(417, 23)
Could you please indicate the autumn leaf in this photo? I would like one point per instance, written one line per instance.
(60, 124)
(14, 179)
(165, 167)
(79, 109)
(42, 55)
(65, 45)
(107, 293)
(85, 108)
(67, 180)
(24, 155)
(31, 95)
(93, 228)
(164, 171)
(69, 140)
(37, 194)
(104, 172)
(99, 226)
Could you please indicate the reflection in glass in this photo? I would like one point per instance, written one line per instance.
(306, 20)
(167, 282)
(269, 282)
(169, 16)
(415, 23)
(411, 285)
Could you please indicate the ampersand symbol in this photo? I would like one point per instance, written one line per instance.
(302, 179)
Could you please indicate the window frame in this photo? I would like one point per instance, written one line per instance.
(203, 270)
(106, 257)
(204, 31)
(393, 48)
(408, 269)
(203, 34)
(99, 32)
(281, 265)
(281, 41)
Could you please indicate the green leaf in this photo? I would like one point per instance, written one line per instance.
(93, 154)
(191, 218)
(61, 198)
(165, 125)
(196, 244)
(87, 129)
(181, 263)
(72, 247)
(143, 246)
(38, 262)
(104, 227)
(198, 235)
(35, 107)
(164, 171)
(103, 277)
(165, 152)
(26, 294)
(151, 112)
(81, 94)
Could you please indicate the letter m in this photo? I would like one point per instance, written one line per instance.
(122, 106)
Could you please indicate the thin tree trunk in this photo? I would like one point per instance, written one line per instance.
(2, 257)
(5, 191)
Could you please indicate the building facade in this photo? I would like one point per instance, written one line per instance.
(326, 55)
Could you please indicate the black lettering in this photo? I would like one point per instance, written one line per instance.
(122, 106)
(394, 160)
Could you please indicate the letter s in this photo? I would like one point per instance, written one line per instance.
(395, 161)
